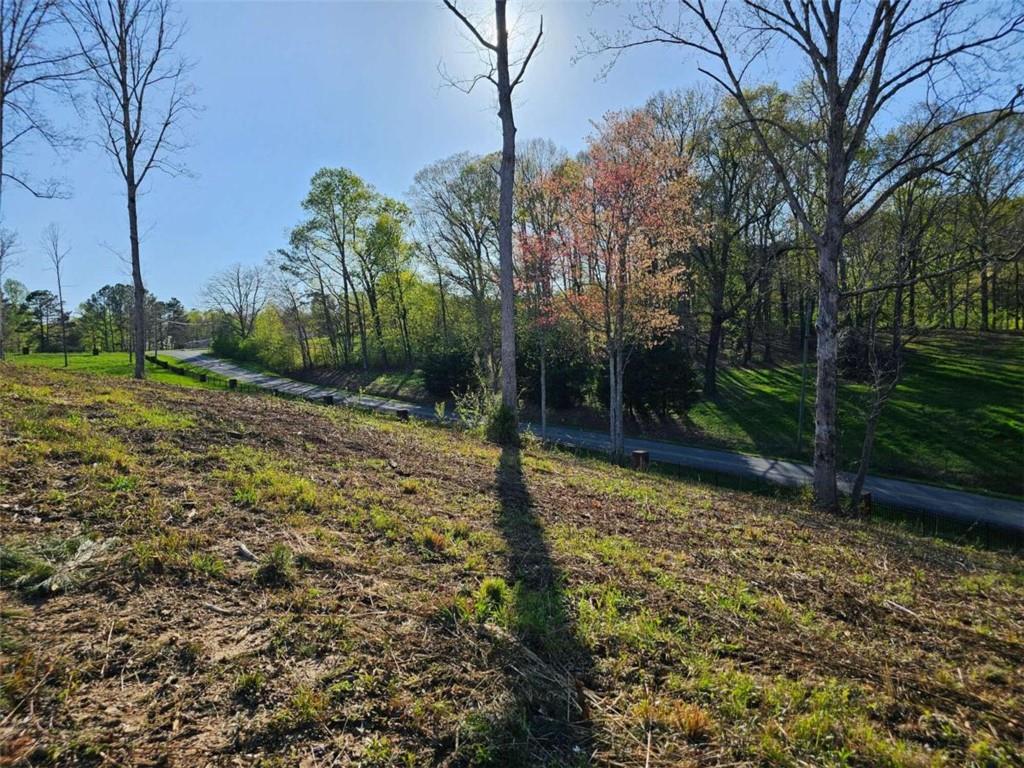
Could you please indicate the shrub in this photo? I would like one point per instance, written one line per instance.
(500, 427)
(448, 370)
(658, 380)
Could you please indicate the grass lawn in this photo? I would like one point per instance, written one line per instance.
(410, 595)
(956, 419)
(111, 364)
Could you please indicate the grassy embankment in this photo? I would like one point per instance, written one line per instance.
(419, 597)
(113, 364)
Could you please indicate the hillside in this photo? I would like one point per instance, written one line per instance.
(415, 596)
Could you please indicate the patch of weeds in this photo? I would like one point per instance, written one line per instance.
(609, 619)
(494, 740)
(259, 480)
(383, 522)
(378, 751)
(432, 541)
(493, 600)
(689, 720)
(248, 687)
(277, 567)
(123, 483)
(173, 552)
(207, 565)
(410, 486)
(306, 707)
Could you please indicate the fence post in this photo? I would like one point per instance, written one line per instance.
(641, 460)
(232, 383)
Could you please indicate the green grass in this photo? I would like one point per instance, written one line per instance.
(109, 364)
(956, 419)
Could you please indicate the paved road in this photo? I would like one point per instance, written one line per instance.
(958, 505)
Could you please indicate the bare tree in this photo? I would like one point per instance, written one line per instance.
(57, 253)
(239, 292)
(498, 74)
(8, 253)
(862, 62)
(30, 63)
(129, 47)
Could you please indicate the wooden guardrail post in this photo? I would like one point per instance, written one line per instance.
(641, 460)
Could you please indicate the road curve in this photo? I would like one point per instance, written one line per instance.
(943, 502)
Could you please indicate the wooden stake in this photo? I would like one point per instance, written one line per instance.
(641, 460)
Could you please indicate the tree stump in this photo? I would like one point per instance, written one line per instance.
(402, 414)
(95, 351)
(24, 350)
(232, 383)
(641, 460)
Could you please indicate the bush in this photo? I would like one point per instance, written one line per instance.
(448, 371)
(659, 380)
(270, 345)
(501, 426)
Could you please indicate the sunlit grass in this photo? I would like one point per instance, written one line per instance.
(105, 363)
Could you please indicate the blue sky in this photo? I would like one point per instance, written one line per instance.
(287, 88)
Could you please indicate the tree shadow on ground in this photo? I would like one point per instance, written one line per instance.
(553, 715)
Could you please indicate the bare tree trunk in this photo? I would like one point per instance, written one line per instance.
(984, 297)
(378, 325)
(825, 407)
(711, 357)
(3, 353)
(361, 322)
(443, 308)
(543, 385)
(616, 377)
(1017, 298)
(865, 458)
(139, 314)
(509, 393)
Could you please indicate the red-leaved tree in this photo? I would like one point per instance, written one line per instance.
(627, 217)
